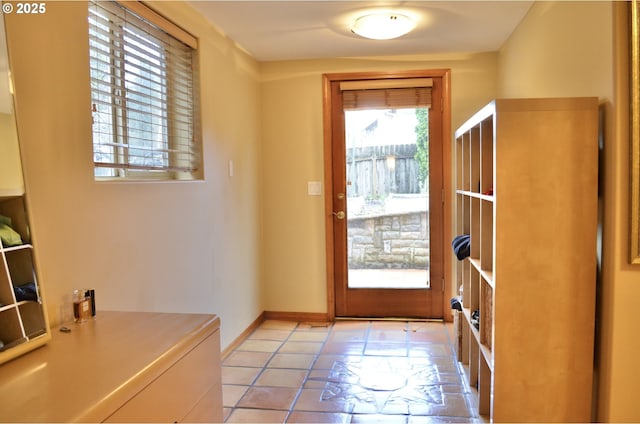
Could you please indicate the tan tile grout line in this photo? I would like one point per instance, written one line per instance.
(306, 377)
(266, 365)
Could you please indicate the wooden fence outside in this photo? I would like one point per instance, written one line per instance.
(375, 171)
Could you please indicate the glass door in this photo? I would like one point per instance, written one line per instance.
(387, 153)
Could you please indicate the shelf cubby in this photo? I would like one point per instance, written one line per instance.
(486, 236)
(11, 332)
(486, 156)
(14, 208)
(475, 227)
(486, 314)
(33, 319)
(474, 148)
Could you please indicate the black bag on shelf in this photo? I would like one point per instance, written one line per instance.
(462, 246)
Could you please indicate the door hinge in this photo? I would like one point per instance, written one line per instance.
(442, 195)
(442, 285)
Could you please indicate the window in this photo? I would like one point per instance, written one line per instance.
(143, 94)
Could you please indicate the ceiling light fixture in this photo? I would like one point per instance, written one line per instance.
(383, 26)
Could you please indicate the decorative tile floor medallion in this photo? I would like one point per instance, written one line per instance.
(384, 385)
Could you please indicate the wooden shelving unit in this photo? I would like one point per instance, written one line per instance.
(526, 193)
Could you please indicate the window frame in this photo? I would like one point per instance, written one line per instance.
(134, 17)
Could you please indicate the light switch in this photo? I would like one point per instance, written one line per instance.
(314, 188)
(231, 167)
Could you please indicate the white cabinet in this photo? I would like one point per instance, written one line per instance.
(120, 367)
(172, 396)
(526, 194)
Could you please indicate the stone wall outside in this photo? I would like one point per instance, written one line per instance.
(397, 241)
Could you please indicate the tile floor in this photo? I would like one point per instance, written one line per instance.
(347, 372)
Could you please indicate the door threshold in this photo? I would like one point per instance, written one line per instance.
(389, 319)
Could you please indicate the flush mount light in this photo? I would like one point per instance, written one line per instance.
(383, 26)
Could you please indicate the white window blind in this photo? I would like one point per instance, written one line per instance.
(144, 105)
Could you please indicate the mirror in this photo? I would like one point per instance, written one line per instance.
(23, 323)
(634, 183)
(10, 170)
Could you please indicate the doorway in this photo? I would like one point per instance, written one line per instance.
(385, 178)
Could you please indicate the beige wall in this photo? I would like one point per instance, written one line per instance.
(10, 171)
(571, 49)
(293, 246)
(175, 246)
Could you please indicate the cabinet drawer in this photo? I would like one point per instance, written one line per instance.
(209, 408)
(177, 391)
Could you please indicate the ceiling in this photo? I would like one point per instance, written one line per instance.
(295, 30)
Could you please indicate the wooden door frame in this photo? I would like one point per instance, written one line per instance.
(327, 79)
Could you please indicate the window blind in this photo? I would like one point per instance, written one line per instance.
(386, 94)
(143, 94)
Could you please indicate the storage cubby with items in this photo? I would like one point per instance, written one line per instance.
(526, 216)
(23, 323)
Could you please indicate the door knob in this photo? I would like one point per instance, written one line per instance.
(339, 214)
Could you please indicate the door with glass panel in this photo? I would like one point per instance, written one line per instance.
(387, 196)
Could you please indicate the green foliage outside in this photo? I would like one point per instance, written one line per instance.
(422, 141)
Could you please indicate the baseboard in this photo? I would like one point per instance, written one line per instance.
(282, 316)
(242, 337)
(297, 316)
